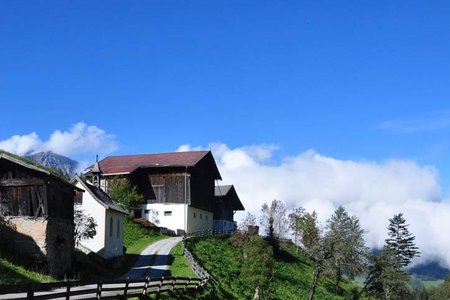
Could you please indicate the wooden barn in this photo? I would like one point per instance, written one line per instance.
(227, 202)
(39, 206)
(178, 186)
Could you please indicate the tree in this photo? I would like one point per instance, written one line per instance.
(349, 251)
(125, 194)
(295, 223)
(274, 220)
(315, 242)
(401, 242)
(387, 278)
(85, 226)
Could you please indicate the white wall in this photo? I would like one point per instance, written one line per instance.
(103, 243)
(114, 238)
(199, 219)
(92, 208)
(172, 216)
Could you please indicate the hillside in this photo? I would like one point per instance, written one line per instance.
(292, 272)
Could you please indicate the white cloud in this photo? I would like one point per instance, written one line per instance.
(79, 139)
(374, 191)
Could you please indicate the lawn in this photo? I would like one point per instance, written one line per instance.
(180, 265)
(13, 274)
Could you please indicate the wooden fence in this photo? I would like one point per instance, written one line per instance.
(116, 288)
(99, 290)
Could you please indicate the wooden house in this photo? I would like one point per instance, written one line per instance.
(179, 186)
(227, 202)
(109, 217)
(39, 206)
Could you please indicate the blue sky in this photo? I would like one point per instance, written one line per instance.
(364, 84)
(299, 74)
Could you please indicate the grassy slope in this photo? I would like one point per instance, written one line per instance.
(14, 274)
(137, 239)
(292, 271)
(180, 265)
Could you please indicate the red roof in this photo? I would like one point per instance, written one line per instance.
(126, 164)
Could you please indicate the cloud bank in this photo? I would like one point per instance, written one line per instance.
(373, 191)
(78, 140)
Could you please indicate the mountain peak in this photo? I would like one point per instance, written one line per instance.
(55, 161)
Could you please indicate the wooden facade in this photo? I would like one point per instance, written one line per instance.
(193, 185)
(39, 205)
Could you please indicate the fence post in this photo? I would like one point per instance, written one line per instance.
(174, 281)
(126, 287)
(144, 290)
(160, 284)
(99, 290)
(68, 291)
(30, 291)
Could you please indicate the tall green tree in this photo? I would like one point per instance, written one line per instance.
(387, 278)
(400, 243)
(125, 194)
(350, 254)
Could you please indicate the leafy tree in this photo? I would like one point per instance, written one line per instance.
(442, 291)
(257, 268)
(246, 228)
(125, 194)
(274, 220)
(315, 242)
(295, 223)
(85, 226)
(349, 251)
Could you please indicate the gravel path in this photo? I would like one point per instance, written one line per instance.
(154, 261)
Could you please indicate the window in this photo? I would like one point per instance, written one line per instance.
(200, 216)
(206, 217)
(110, 227)
(194, 215)
(160, 193)
(118, 228)
(78, 199)
(167, 213)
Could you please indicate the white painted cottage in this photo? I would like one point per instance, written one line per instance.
(108, 242)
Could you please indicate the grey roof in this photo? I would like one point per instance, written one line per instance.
(100, 196)
(96, 168)
(222, 190)
(229, 190)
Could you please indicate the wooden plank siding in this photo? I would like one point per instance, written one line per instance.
(24, 192)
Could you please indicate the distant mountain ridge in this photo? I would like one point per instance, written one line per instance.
(55, 161)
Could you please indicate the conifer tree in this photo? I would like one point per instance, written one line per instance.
(401, 242)
(349, 251)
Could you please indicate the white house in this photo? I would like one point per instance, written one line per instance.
(108, 242)
(178, 186)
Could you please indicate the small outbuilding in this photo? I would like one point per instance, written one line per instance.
(38, 205)
(109, 217)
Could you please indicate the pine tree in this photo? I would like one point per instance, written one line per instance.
(387, 279)
(349, 251)
(401, 242)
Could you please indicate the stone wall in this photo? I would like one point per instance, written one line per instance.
(50, 240)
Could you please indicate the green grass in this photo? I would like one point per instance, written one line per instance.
(292, 272)
(180, 265)
(13, 274)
